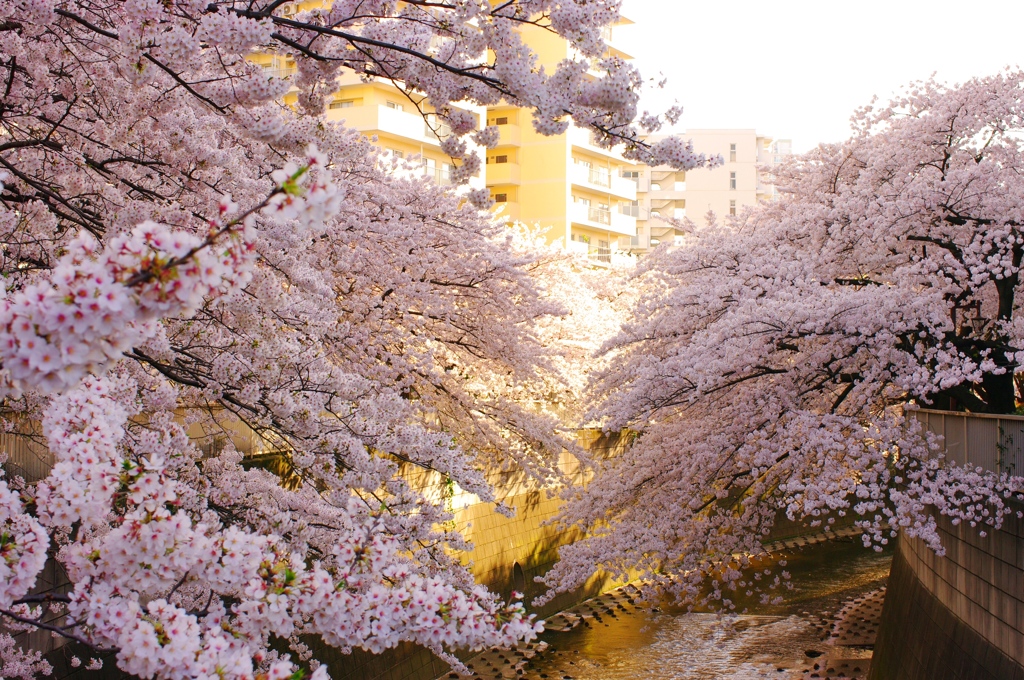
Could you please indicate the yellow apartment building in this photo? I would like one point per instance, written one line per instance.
(378, 109)
(583, 195)
(580, 193)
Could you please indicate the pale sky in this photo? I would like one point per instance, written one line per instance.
(797, 69)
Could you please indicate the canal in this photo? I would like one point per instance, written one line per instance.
(770, 641)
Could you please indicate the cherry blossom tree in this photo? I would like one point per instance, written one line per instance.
(770, 360)
(183, 252)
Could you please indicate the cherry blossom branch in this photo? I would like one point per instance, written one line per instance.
(63, 632)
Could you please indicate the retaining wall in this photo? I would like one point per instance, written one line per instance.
(957, 617)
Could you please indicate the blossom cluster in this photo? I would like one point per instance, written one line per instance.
(98, 301)
(83, 428)
(17, 663)
(363, 595)
(309, 204)
(23, 545)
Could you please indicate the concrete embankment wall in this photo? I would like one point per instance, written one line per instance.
(957, 617)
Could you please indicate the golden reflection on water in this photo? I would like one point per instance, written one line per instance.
(767, 642)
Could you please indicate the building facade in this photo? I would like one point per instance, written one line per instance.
(580, 193)
(666, 197)
(381, 111)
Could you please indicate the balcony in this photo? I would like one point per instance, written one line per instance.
(584, 139)
(443, 129)
(603, 180)
(279, 72)
(509, 135)
(623, 187)
(442, 176)
(378, 118)
(601, 257)
(599, 215)
(623, 224)
(603, 219)
(502, 173)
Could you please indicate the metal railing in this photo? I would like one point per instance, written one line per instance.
(599, 215)
(436, 130)
(443, 177)
(991, 442)
(26, 458)
(279, 72)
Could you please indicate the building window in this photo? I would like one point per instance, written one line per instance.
(732, 154)
(342, 104)
(732, 207)
(631, 174)
(503, 120)
(396, 153)
(631, 209)
(395, 105)
(501, 198)
(732, 180)
(501, 159)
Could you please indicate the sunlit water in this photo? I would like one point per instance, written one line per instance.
(767, 642)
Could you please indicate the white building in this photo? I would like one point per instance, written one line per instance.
(666, 196)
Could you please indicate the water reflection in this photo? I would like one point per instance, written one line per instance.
(767, 642)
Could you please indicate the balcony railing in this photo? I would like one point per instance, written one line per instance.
(442, 176)
(279, 72)
(600, 177)
(599, 215)
(443, 130)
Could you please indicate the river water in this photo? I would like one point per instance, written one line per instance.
(778, 641)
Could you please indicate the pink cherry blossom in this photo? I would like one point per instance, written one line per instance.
(769, 363)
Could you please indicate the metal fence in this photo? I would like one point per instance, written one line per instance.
(991, 442)
(26, 458)
(29, 458)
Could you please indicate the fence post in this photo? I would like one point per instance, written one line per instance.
(999, 446)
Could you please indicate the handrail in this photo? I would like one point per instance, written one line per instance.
(971, 414)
